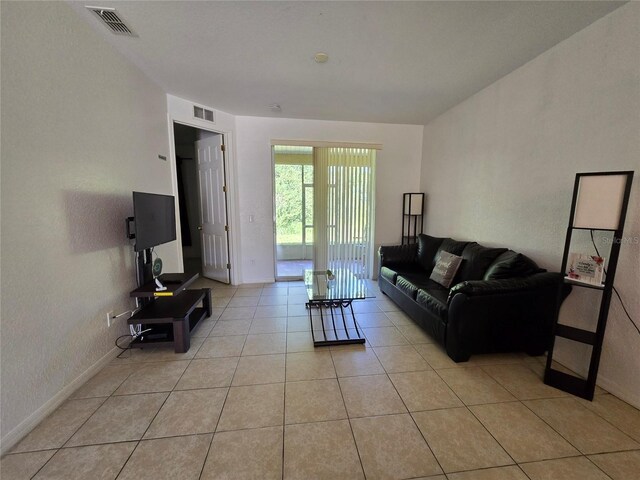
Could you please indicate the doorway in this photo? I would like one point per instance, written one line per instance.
(293, 207)
(201, 179)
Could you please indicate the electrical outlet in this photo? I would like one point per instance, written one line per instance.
(110, 318)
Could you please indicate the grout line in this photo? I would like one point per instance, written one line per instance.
(128, 458)
(166, 398)
(598, 466)
(44, 464)
(224, 402)
(344, 403)
(83, 423)
(564, 458)
(605, 419)
(409, 413)
(551, 427)
(97, 444)
(284, 401)
(512, 390)
(523, 472)
(206, 456)
(474, 416)
(141, 364)
(146, 429)
(563, 436)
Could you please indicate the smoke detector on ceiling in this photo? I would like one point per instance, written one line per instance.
(321, 57)
(112, 20)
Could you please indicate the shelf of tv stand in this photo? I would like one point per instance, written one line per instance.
(175, 283)
(172, 318)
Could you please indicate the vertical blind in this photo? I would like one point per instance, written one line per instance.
(343, 208)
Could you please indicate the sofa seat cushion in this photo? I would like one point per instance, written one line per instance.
(434, 300)
(407, 287)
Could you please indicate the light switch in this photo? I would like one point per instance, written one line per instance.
(250, 218)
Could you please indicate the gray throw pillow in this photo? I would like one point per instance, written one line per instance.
(445, 269)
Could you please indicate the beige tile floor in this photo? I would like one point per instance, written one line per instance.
(253, 399)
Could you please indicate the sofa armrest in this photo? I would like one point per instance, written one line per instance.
(508, 285)
(398, 254)
(503, 315)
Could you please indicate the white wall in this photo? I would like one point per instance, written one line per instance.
(81, 129)
(397, 171)
(499, 168)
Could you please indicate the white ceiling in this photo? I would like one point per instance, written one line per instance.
(394, 62)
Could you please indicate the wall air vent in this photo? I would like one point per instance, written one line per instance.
(203, 114)
(112, 20)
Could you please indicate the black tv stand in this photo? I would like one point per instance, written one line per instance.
(171, 314)
(175, 283)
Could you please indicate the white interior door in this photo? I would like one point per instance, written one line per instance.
(213, 209)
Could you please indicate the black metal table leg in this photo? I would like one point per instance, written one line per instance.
(331, 305)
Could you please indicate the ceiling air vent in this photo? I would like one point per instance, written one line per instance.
(203, 113)
(112, 20)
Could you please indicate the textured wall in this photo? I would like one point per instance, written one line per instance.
(499, 168)
(81, 129)
(397, 171)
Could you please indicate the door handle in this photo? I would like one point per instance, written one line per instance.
(199, 227)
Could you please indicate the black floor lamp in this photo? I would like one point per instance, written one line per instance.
(412, 217)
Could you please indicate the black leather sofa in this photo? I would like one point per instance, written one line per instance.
(499, 301)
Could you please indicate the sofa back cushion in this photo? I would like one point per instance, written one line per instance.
(427, 249)
(476, 260)
(452, 246)
(446, 268)
(511, 265)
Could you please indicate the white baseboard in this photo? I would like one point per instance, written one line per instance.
(21, 430)
(258, 280)
(622, 392)
(614, 388)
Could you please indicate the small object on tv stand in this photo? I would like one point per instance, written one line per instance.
(160, 287)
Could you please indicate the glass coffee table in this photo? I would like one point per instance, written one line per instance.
(331, 300)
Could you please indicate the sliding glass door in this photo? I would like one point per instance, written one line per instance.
(324, 209)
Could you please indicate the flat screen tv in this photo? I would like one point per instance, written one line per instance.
(154, 219)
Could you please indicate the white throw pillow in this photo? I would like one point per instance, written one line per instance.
(445, 269)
